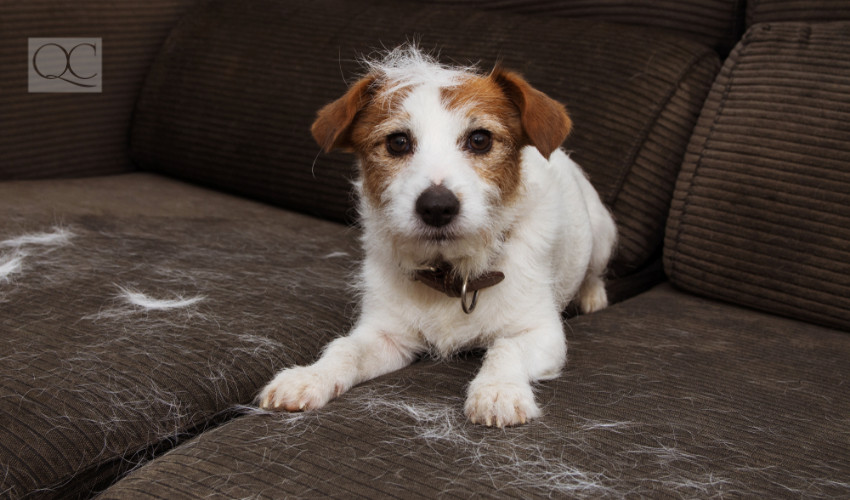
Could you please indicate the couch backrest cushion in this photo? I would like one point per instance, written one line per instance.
(230, 99)
(718, 23)
(76, 134)
(772, 11)
(761, 212)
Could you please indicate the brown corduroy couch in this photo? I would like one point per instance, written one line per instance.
(169, 243)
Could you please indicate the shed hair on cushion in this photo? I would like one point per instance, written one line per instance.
(57, 237)
(122, 411)
(153, 304)
(570, 456)
(11, 264)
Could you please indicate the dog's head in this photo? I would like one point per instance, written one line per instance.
(439, 149)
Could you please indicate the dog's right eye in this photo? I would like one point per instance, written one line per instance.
(398, 144)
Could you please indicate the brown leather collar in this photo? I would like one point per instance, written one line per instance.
(443, 279)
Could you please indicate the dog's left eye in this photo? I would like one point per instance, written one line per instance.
(479, 141)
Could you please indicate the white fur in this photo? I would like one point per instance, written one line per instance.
(13, 262)
(10, 264)
(407, 66)
(59, 236)
(153, 304)
(552, 241)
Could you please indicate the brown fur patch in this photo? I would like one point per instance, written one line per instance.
(545, 122)
(375, 121)
(488, 108)
(360, 121)
(333, 123)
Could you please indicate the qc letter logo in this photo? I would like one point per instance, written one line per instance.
(65, 65)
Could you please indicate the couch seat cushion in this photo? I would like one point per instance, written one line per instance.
(135, 309)
(665, 395)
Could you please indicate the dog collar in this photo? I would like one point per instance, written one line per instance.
(443, 279)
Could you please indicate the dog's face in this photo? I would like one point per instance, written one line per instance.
(439, 151)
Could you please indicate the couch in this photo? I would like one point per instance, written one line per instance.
(168, 243)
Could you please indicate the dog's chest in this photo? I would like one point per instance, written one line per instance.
(440, 320)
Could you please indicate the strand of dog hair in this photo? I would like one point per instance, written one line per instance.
(153, 304)
(57, 237)
(11, 264)
(407, 65)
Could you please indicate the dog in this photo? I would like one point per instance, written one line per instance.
(478, 230)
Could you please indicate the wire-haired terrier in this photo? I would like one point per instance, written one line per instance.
(478, 231)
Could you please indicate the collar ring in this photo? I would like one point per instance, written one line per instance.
(467, 308)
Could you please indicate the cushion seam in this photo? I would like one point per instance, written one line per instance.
(639, 144)
(641, 147)
(701, 155)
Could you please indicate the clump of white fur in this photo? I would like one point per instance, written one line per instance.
(506, 458)
(153, 304)
(409, 66)
(59, 236)
(13, 262)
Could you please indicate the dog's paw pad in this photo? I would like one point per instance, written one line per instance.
(501, 405)
(298, 389)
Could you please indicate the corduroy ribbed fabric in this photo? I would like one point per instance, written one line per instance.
(76, 134)
(779, 11)
(230, 100)
(665, 395)
(92, 382)
(717, 23)
(761, 212)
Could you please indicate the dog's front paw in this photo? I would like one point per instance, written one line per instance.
(298, 389)
(501, 404)
(592, 296)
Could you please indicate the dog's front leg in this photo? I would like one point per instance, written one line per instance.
(367, 352)
(501, 393)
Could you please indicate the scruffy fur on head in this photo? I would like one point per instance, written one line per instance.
(459, 170)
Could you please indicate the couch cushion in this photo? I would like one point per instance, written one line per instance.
(136, 309)
(772, 11)
(76, 134)
(665, 395)
(761, 214)
(230, 99)
(717, 23)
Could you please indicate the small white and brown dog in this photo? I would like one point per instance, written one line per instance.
(477, 229)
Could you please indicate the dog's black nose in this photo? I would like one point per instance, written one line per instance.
(437, 206)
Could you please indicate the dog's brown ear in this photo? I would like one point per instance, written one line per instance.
(544, 120)
(333, 124)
